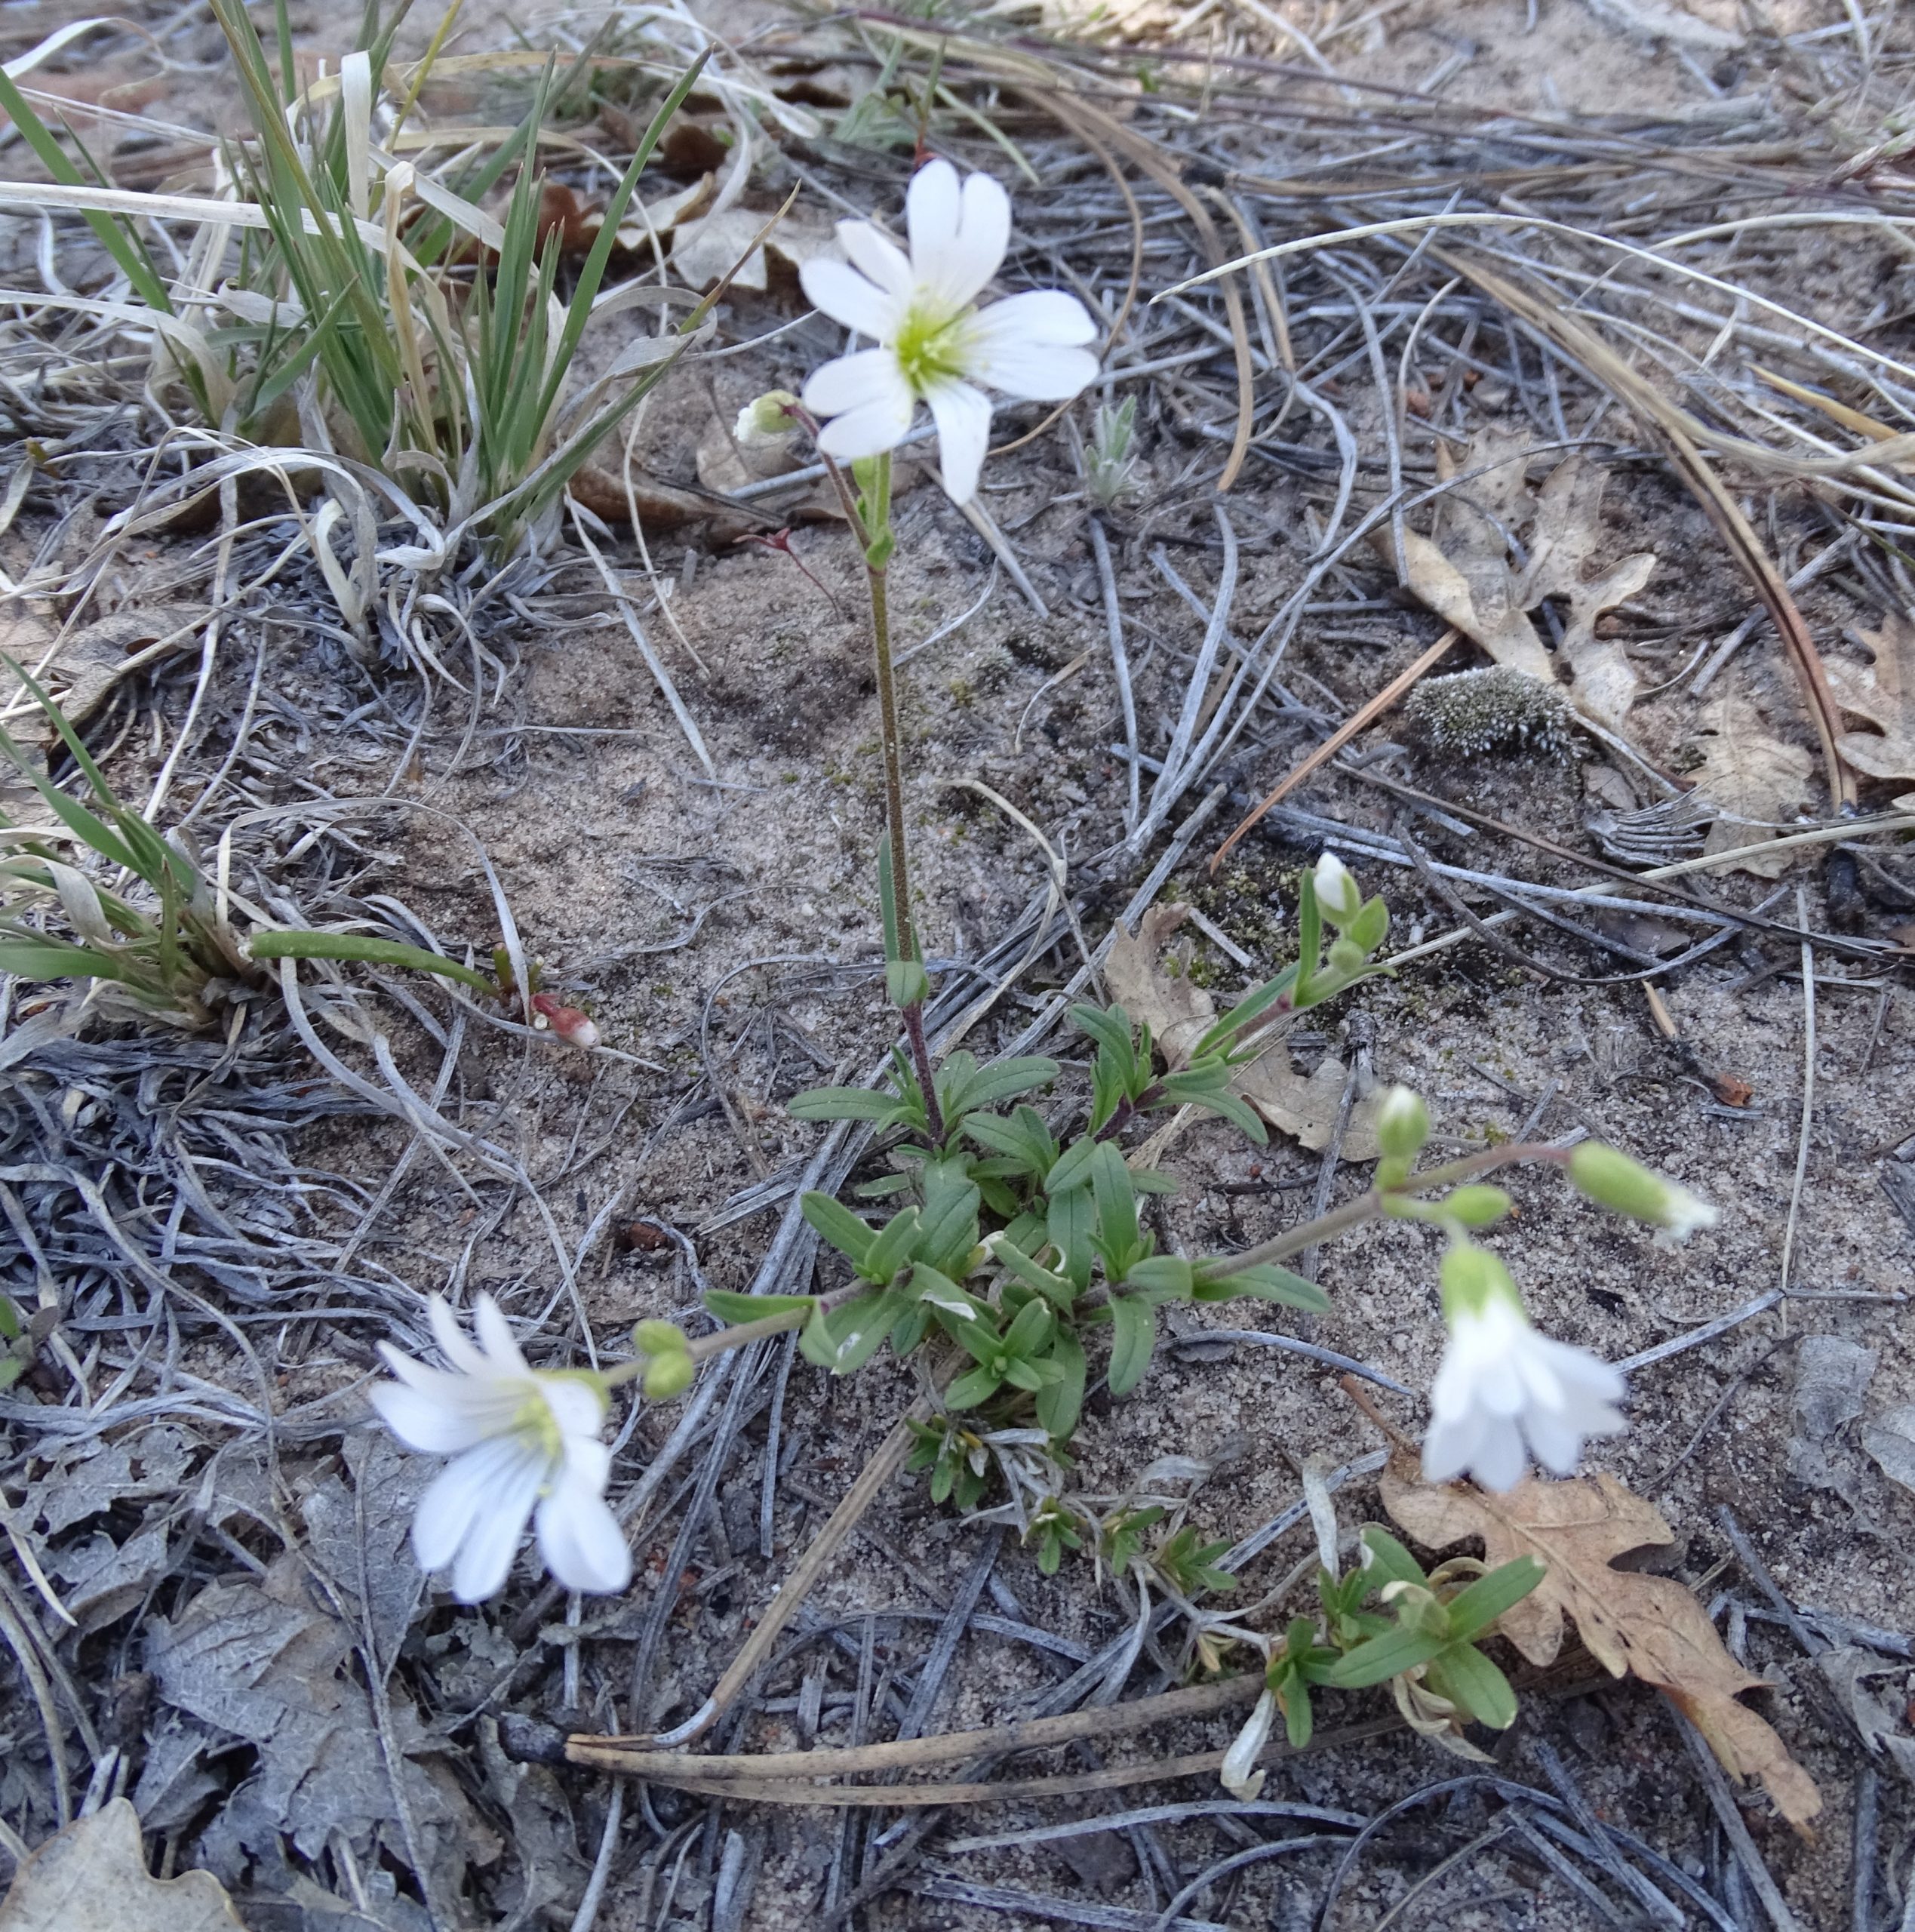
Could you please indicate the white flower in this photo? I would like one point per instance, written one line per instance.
(522, 1441)
(1682, 1214)
(935, 345)
(1336, 889)
(1237, 1773)
(1505, 1393)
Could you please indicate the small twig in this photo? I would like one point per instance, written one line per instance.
(1808, 1093)
(1358, 721)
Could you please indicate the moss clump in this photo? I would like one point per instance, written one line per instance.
(1491, 710)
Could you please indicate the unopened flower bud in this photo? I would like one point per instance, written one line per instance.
(572, 1026)
(767, 421)
(668, 1376)
(1403, 1123)
(660, 1338)
(1614, 1181)
(1477, 1207)
(1337, 894)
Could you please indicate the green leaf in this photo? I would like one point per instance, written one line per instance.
(1370, 927)
(1252, 1006)
(1069, 1225)
(1028, 1335)
(1164, 1277)
(1071, 1168)
(1469, 1680)
(732, 1307)
(843, 1340)
(986, 1086)
(949, 1215)
(1116, 1205)
(1382, 1657)
(844, 1104)
(1109, 1026)
(1266, 1281)
(1474, 1609)
(1293, 1699)
(1389, 1561)
(845, 1231)
(54, 959)
(1217, 1099)
(975, 1385)
(1134, 1335)
(1011, 1256)
(945, 1295)
(1061, 1402)
(898, 1242)
(297, 943)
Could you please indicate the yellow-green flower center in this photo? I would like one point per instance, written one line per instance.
(535, 1421)
(930, 348)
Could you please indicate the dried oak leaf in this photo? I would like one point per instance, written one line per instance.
(1466, 578)
(1885, 696)
(1633, 1624)
(92, 1877)
(1149, 979)
(1749, 774)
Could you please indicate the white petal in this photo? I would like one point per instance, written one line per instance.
(1450, 1446)
(848, 297)
(588, 1462)
(580, 1540)
(451, 1338)
(877, 258)
(1031, 346)
(495, 1336)
(1554, 1442)
(853, 380)
(880, 424)
(958, 235)
(485, 1558)
(1501, 1460)
(577, 1408)
(963, 420)
(455, 1497)
(437, 1429)
(1580, 1370)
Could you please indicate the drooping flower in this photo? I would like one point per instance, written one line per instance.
(1505, 1393)
(1337, 891)
(1610, 1179)
(935, 346)
(525, 1444)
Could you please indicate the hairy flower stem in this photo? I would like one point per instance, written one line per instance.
(722, 1341)
(1375, 1204)
(875, 549)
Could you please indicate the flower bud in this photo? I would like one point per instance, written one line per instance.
(767, 421)
(1337, 895)
(1612, 1180)
(668, 1376)
(660, 1338)
(1403, 1123)
(1477, 1207)
(1473, 1278)
(574, 1027)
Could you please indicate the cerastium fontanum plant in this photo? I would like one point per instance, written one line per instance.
(1010, 1258)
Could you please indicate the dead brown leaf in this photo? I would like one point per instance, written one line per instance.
(1307, 1109)
(92, 1877)
(1149, 977)
(706, 247)
(1632, 1623)
(1465, 574)
(1885, 695)
(1750, 773)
